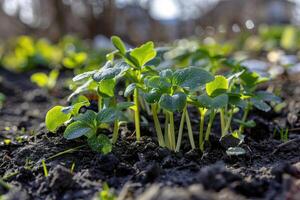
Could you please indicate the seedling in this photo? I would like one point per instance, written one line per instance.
(2, 99)
(283, 133)
(45, 81)
(45, 168)
(160, 92)
(137, 59)
(106, 193)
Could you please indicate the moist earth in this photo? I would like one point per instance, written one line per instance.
(270, 169)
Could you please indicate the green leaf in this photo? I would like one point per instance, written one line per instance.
(217, 86)
(41, 79)
(252, 79)
(158, 82)
(124, 105)
(88, 85)
(118, 43)
(267, 96)
(167, 74)
(129, 89)
(84, 75)
(107, 87)
(100, 143)
(89, 118)
(55, 118)
(248, 124)
(74, 60)
(78, 129)
(107, 115)
(173, 103)
(144, 53)
(235, 99)
(152, 96)
(213, 102)
(109, 73)
(261, 105)
(191, 77)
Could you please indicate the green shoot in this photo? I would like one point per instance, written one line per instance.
(45, 168)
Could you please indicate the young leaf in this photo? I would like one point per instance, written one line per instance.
(107, 115)
(118, 43)
(55, 118)
(173, 103)
(109, 73)
(191, 77)
(153, 95)
(124, 105)
(213, 102)
(78, 129)
(41, 79)
(158, 83)
(259, 104)
(129, 89)
(217, 86)
(89, 118)
(267, 96)
(167, 74)
(248, 124)
(107, 87)
(144, 53)
(84, 75)
(100, 143)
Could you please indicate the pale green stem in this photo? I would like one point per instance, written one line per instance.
(115, 132)
(244, 118)
(180, 130)
(137, 114)
(202, 118)
(99, 103)
(208, 129)
(172, 130)
(222, 120)
(159, 133)
(190, 130)
(167, 131)
(227, 124)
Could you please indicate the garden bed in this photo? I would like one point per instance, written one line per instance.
(270, 169)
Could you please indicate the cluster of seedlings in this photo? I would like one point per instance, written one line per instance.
(147, 86)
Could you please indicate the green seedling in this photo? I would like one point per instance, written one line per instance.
(74, 60)
(137, 59)
(87, 124)
(169, 90)
(214, 100)
(45, 168)
(283, 133)
(252, 98)
(58, 115)
(45, 81)
(166, 92)
(26, 53)
(2, 99)
(106, 193)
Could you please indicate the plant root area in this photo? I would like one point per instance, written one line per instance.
(270, 169)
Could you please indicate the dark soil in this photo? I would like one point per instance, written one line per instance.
(269, 170)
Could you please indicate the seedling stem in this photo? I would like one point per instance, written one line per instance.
(160, 136)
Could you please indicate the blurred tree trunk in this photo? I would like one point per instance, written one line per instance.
(59, 19)
(104, 23)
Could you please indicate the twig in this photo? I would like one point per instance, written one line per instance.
(285, 144)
